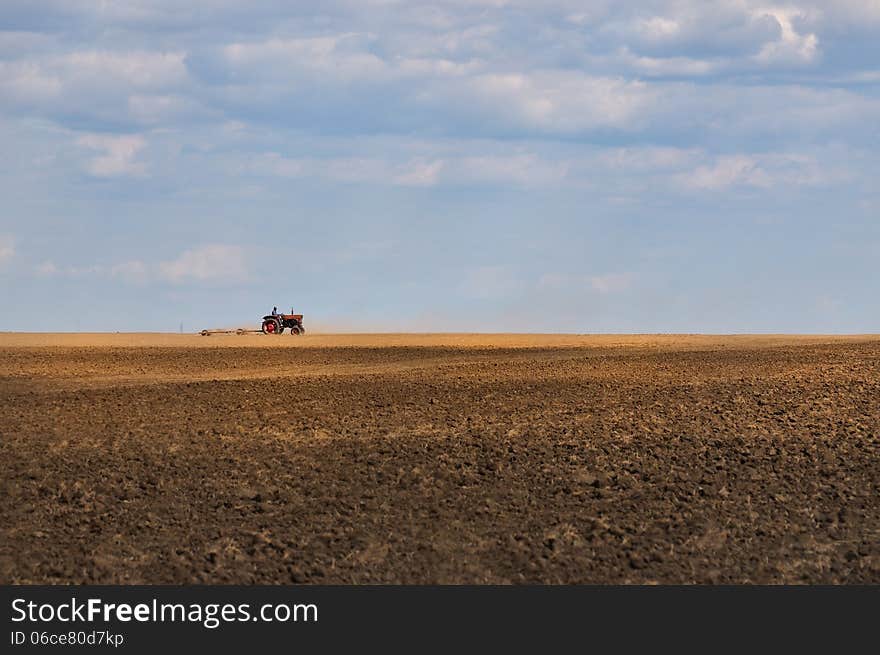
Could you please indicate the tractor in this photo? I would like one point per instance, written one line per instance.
(276, 323)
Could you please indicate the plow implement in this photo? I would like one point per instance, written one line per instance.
(208, 333)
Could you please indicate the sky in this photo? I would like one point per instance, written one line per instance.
(482, 165)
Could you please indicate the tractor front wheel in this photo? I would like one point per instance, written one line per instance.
(294, 330)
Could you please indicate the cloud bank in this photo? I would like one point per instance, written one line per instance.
(616, 164)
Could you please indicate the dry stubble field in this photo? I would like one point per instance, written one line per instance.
(439, 458)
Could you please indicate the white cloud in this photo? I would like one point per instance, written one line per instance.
(791, 47)
(7, 248)
(47, 268)
(420, 172)
(672, 66)
(47, 77)
(119, 153)
(648, 159)
(110, 86)
(625, 172)
(208, 262)
(763, 171)
(556, 101)
(288, 73)
(604, 284)
(612, 282)
(728, 171)
(203, 263)
(516, 169)
(339, 56)
(130, 271)
(85, 271)
(726, 28)
(27, 83)
(658, 28)
(439, 67)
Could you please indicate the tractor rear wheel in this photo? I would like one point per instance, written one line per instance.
(270, 327)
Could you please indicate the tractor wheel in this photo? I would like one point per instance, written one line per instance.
(294, 330)
(270, 327)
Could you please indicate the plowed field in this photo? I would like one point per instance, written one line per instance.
(439, 459)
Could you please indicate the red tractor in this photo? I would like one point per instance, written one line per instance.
(275, 323)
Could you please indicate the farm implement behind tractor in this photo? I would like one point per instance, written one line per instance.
(272, 324)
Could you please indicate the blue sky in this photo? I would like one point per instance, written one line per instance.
(653, 166)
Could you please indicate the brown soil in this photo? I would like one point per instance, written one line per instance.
(439, 458)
